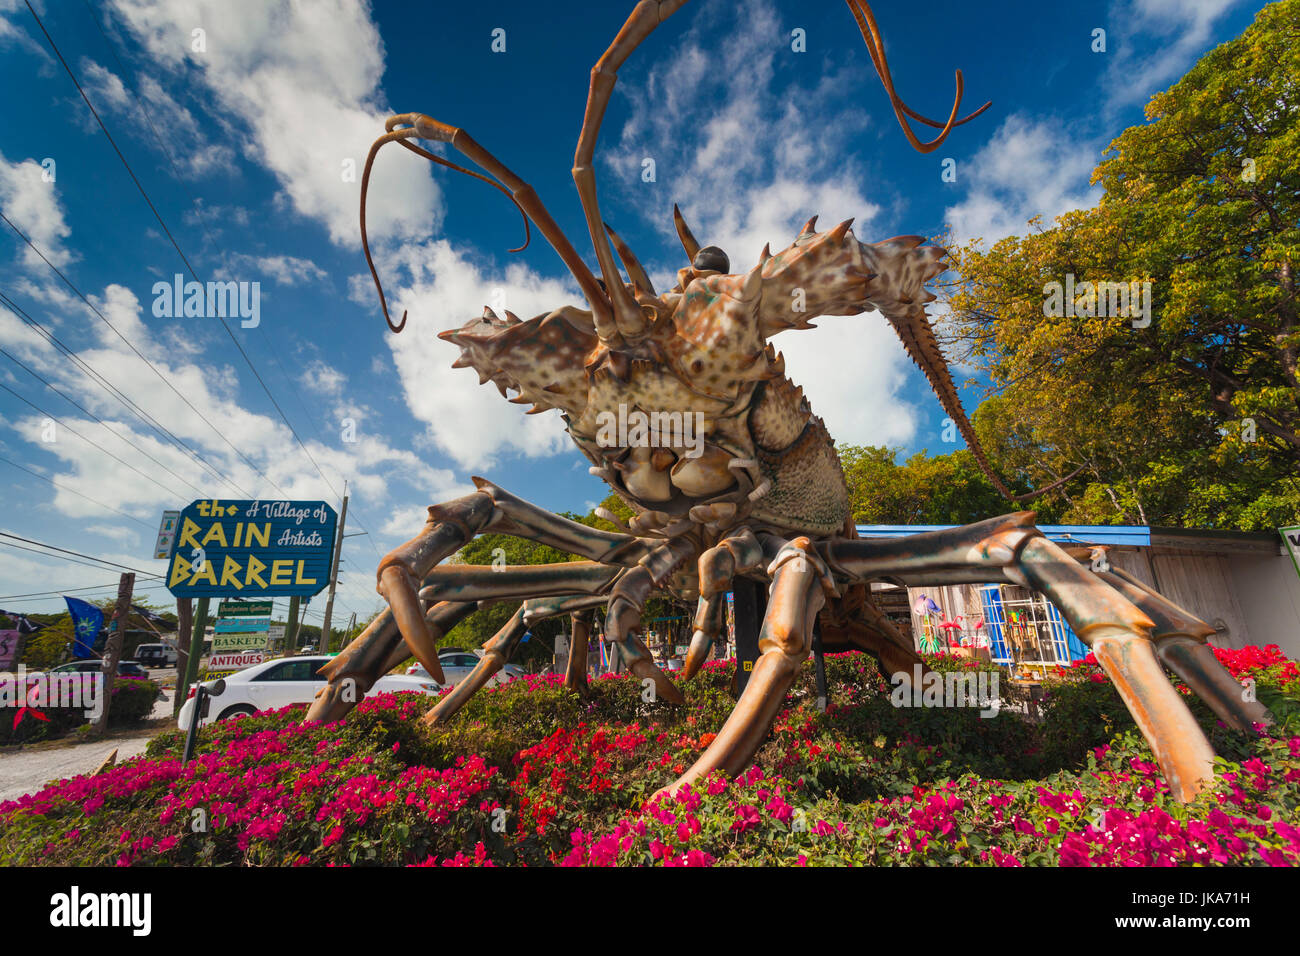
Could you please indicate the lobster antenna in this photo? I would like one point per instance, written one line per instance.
(400, 136)
(876, 48)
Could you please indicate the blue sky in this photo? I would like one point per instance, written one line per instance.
(257, 132)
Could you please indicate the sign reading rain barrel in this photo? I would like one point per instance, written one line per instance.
(252, 549)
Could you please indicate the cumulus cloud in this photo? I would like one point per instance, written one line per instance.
(1182, 28)
(1029, 167)
(377, 469)
(286, 270)
(469, 422)
(153, 111)
(30, 201)
(304, 81)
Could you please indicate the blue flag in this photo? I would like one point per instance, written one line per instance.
(86, 622)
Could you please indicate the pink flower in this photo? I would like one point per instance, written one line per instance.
(747, 818)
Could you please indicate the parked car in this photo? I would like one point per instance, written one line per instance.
(456, 665)
(281, 682)
(157, 655)
(672, 665)
(96, 666)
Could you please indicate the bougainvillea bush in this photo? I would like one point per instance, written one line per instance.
(531, 774)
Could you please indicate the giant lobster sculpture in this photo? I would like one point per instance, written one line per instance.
(759, 494)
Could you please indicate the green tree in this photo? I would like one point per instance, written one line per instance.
(1193, 419)
(925, 489)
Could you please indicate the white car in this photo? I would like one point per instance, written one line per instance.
(281, 682)
(456, 666)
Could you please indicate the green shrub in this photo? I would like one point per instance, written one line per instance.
(133, 700)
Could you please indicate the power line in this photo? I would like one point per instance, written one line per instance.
(112, 142)
(37, 474)
(85, 439)
(35, 594)
(179, 252)
(88, 557)
(158, 216)
(176, 173)
(105, 592)
(132, 347)
(143, 112)
(104, 383)
(86, 411)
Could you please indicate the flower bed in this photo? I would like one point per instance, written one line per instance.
(531, 774)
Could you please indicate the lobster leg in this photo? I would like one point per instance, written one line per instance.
(454, 524)
(856, 620)
(1011, 549)
(800, 584)
(451, 526)
(373, 653)
(473, 582)
(500, 648)
(735, 554)
(627, 599)
(1180, 641)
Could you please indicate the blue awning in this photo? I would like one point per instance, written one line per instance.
(1132, 535)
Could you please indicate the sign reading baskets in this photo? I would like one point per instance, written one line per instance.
(252, 549)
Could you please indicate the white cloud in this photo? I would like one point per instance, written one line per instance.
(304, 80)
(286, 270)
(471, 423)
(202, 214)
(763, 164)
(376, 469)
(323, 378)
(1028, 168)
(11, 12)
(32, 204)
(186, 143)
(113, 532)
(1184, 27)
(856, 393)
(406, 522)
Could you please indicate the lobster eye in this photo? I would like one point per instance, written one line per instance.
(711, 259)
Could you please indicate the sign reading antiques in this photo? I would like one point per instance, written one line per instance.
(252, 549)
(240, 636)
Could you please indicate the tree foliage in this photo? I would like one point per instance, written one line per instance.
(925, 489)
(1193, 419)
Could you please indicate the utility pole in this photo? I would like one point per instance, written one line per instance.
(184, 628)
(199, 631)
(291, 628)
(113, 652)
(334, 576)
